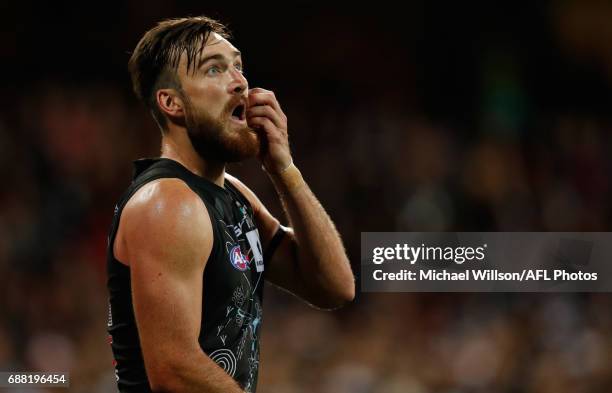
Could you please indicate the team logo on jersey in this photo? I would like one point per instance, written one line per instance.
(238, 259)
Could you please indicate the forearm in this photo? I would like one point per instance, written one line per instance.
(324, 271)
(321, 257)
(191, 374)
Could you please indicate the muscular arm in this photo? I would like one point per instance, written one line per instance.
(166, 236)
(320, 261)
(311, 261)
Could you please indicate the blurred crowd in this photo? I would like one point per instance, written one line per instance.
(531, 153)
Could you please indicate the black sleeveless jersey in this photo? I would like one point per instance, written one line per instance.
(232, 282)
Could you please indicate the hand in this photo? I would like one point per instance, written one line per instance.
(264, 115)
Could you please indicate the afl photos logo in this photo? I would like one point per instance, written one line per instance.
(239, 260)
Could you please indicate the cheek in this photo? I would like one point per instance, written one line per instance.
(212, 101)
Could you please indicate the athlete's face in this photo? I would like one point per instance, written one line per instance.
(215, 97)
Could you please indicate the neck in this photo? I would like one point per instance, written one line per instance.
(177, 146)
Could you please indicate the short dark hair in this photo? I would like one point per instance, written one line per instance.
(154, 62)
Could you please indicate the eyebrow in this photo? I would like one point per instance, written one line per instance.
(217, 56)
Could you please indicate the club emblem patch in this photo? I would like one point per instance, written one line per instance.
(239, 260)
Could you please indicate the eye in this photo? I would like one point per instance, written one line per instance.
(239, 67)
(214, 70)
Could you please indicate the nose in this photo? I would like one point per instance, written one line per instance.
(238, 84)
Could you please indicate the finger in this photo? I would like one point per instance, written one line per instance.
(264, 97)
(259, 90)
(267, 125)
(266, 111)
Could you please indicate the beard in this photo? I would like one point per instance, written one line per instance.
(212, 138)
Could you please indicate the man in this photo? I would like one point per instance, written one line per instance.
(189, 243)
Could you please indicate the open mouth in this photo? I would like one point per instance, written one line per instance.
(239, 113)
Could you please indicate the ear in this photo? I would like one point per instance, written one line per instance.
(170, 103)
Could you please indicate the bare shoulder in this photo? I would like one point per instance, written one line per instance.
(164, 217)
(166, 199)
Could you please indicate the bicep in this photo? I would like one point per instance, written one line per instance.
(167, 307)
(168, 244)
(284, 270)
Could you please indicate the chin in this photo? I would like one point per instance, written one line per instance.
(223, 141)
(240, 144)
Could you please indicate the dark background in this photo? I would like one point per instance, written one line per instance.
(438, 117)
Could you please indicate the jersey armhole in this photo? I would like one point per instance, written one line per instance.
(274, 243)
(216, 246)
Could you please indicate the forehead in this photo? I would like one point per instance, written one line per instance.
(217, 44)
